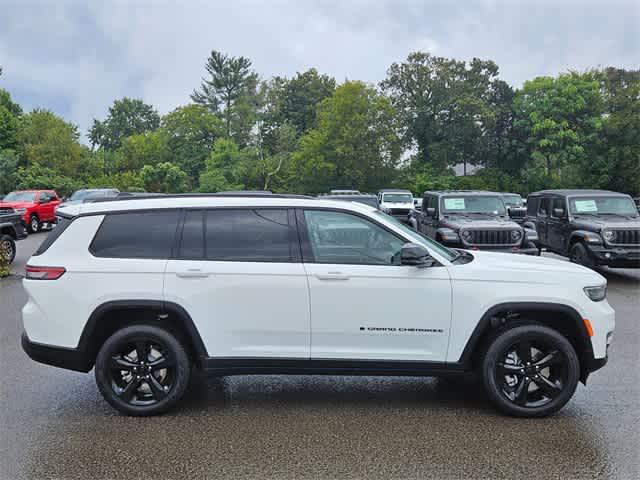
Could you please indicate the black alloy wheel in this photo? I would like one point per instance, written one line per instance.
(530, 370)
(580, 255)
(142, 370)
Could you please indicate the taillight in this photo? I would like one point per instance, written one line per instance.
(43, 273)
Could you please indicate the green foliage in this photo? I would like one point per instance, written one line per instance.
(124, 181)
(8, 128)
(142, 149)
(224, 167)
(6, 102)
(354, 144)
(46, 140)
(190, 132)
(163, 178)
(8, 170)
(231, 90)
(126, 117)
(40, 177)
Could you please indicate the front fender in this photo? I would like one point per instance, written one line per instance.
(586, 236)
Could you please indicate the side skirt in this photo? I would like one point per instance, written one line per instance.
(301, 366)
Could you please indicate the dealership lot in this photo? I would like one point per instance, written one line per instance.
(56, 425)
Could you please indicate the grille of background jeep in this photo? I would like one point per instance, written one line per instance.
(492, 237)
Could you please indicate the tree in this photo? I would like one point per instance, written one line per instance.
(8, 170)
(45, 139)
(223, 168)
(231, 90)
(561, 118)
(163, 178)
(38, 176)
(444, 106)
(191, 131)
(9, 115)
(354, 145)
(126, 117)
(142, 149)
(621, 92)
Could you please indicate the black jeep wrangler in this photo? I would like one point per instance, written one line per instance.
(515, 206)
(12, 228)
(472, 220)
(591, 227)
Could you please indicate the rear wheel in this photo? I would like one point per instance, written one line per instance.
(34, 224)
(7, 248)
(580, 255)
(530, 371)
(142, 370)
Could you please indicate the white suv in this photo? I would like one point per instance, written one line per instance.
(145, 289)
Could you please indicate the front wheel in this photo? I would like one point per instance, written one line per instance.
(34, 224)
(7, 248)
(530, 371)
(142, 370)
(580, 255)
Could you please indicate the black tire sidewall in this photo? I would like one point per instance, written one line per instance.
(586, 256)
(31, 229)
(497, 348)
(4, 238)
(163, 337)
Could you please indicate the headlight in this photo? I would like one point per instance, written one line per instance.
(609, 235)
(21, 210)
(466, 235)
(531, 234)
(597, 294)
(516, 235)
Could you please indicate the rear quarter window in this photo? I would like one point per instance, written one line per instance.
(136, 235)
(61, 226)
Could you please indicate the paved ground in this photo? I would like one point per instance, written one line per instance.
(54, 424)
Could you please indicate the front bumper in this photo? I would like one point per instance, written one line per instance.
(621, 257)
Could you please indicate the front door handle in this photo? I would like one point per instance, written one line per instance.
(332, 276)
(192, 273)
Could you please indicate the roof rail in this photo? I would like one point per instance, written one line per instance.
(248, 194)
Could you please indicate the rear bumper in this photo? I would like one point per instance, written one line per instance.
(68, 358)
(621, 257)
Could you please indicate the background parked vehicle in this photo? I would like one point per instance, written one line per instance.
(472, 219)
(515, 206)
(396, 202)
(36, 207)
(363, 198)
(80, 195)
(12, 228)
(591, 227)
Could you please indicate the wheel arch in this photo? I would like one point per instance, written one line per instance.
(560, 317)
(111, 316)
(8, 229)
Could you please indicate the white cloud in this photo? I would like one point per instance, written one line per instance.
(76, 57)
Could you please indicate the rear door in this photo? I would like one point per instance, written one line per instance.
(238, 273)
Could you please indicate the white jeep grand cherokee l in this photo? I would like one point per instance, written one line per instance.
(145, 289)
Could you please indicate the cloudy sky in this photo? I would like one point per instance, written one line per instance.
(76, 57)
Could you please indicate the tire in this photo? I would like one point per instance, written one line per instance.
(8, 248)
(514, 384)
(34, 224)
(126, 387)
(580, 255)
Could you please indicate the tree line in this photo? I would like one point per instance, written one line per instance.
(310, 133)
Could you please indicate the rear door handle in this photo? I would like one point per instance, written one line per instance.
(332, 276)
(192, 273)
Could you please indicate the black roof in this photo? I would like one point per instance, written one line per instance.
(577, 191)
(456, 192)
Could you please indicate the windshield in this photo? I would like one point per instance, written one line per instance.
(512, 200)
(473, 204)
(20, 197)
(419, 238)
(397, 198)
(603, 206)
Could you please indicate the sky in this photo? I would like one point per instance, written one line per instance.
(76, 57)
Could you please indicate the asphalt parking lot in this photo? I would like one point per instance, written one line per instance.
(54, 423)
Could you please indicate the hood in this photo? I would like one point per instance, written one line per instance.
(398, 204)
(14, 205)
(478, 221)
(69, 202)
(509, 265)
(598, 222)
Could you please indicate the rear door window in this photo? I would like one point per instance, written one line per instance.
(136, 235)
(247, 235)
(543, 209)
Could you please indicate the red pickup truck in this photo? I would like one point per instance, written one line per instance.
(34, 206)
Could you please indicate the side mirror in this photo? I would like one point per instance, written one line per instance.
(558, 212)
(415, 255)
(431, 211)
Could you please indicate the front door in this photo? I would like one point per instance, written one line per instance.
(238, 274)
(557, 226)
(542, 221)
(364, 304)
